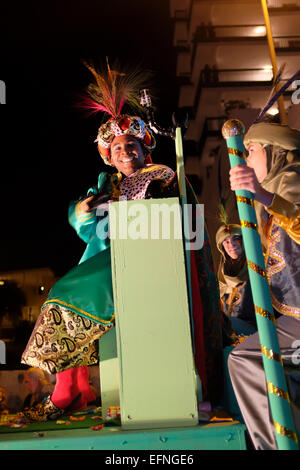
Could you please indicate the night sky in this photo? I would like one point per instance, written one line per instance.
(48, 156)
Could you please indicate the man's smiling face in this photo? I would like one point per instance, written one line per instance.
(127, 154)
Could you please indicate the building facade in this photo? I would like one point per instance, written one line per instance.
(224, 69)
(33, 284)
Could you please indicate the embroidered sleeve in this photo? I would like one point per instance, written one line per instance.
(288, 216)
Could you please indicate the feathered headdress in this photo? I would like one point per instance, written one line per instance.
(108, 94)
(276, 93)
(112, 89)
(268, 133)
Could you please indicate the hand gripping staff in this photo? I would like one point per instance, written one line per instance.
(284, 429)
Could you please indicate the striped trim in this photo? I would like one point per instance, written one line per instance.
(285, 431)
(278, 391)
(84, 218)
(61, 302)
(237, 153)
(265, 313)
(285, 309)
(270, 354)
(257, 269)
(246, 223)
(245, 200)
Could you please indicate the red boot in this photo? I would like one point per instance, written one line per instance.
(66, 397)
(66, 393)
(84, 385)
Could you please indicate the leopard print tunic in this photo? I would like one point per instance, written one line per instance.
(135, 186)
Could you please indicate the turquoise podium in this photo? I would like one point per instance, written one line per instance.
(146, 362)
(155, 371)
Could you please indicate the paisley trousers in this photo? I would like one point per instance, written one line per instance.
(62, 339)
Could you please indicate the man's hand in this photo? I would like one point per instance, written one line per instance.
(84, 205)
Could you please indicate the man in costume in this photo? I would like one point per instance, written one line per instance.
(272, 174)
(233, 277)
(79, 308)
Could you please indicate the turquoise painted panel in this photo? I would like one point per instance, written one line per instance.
(157, 375)
(225, 436)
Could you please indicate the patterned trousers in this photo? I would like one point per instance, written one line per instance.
(62, 339)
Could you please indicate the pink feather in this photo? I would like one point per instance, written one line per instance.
(112, 89)
(94, 107)
(122, 102)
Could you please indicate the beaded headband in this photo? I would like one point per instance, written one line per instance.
(108, 94)
(121, 125)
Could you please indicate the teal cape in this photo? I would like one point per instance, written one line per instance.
(87, 288)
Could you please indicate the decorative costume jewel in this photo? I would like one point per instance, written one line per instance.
(110, 92)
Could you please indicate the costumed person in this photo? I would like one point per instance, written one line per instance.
(79, 308)
(233, 277)
(272, 174)
(3, 402)
(38, 386)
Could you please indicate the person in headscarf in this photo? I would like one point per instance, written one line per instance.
(38, 386)
(3, 402)
(233, 277)
(272, 174)
(79, 308)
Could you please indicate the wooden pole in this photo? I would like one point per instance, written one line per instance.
(280, 101)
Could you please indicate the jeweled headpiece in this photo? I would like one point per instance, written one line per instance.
(109, 94)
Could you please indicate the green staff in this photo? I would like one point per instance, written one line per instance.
(187, 234)
(183, 198)
(285, 434)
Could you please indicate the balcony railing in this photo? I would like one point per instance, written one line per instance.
(286, 42)
(210, 33)
(181, 14)
(212, 76)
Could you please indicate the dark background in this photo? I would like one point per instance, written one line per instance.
(47, 150)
